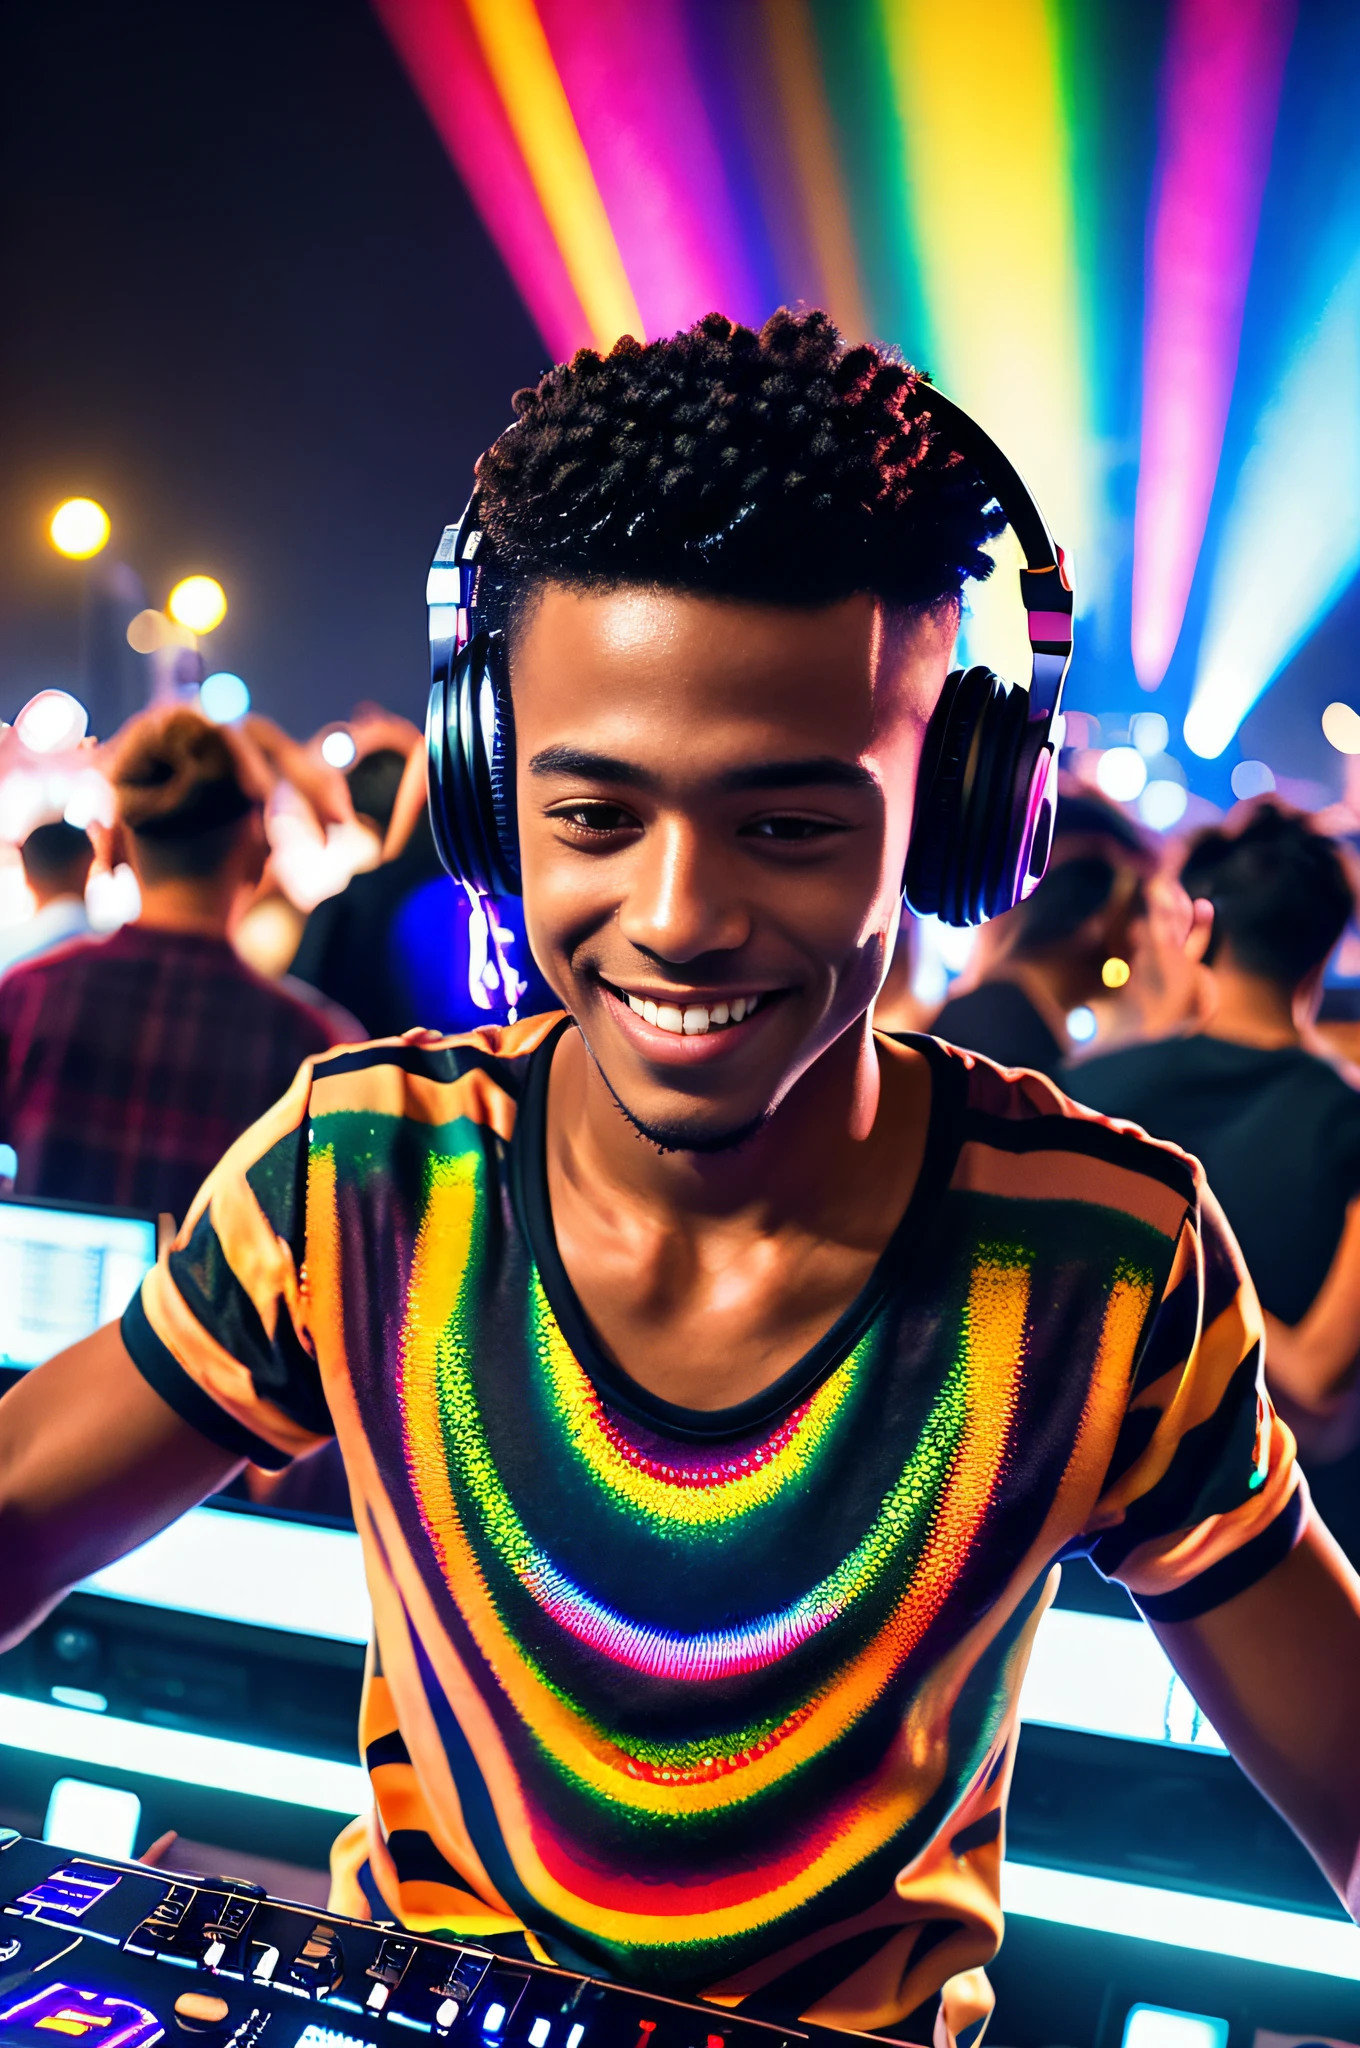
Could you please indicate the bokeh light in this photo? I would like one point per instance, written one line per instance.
(338, 749)
(1115, 972)
(223, 697)
(1081, 1024)
(1163, 804)
(79, 528)
(199, 602)
(51, 722)
(1150, 733)
(1121, 774)
(1251, 778)
(1341, 726)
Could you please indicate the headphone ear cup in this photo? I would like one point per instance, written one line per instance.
(984, 802)
(471, 749)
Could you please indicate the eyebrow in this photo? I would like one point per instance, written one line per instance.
(822, 770)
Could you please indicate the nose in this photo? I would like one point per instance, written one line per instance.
(682, 900)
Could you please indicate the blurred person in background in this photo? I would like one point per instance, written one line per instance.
(1276, 1127)
(128, 1063)
(57, 859)
(394, 945)
(1064, 947)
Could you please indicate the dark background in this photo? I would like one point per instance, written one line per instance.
(247, 306)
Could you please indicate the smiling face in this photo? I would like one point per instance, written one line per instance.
(714, 806)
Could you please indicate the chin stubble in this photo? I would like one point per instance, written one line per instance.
(675, 1137)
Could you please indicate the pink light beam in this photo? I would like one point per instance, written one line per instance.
(1221, 81)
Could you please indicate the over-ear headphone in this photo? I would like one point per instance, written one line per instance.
(987, 783)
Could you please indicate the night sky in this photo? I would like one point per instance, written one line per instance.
(249, 307)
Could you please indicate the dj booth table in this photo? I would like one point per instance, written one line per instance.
(215, 1675)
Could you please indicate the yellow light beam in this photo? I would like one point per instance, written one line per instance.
(988, 177)
(812, 147)
(537, 108)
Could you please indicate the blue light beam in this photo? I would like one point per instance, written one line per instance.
(1291, 538)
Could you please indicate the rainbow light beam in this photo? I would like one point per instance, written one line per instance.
(1291, 539)
(1221, 84)
(988, 183)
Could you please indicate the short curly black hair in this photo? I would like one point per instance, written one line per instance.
(784, 467)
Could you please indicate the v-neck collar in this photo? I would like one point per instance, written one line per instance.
(529, 1171)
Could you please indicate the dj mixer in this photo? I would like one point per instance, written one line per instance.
(117, 1955)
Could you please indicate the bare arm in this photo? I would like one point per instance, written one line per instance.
(1316, 1359)
(1277, 1671)
(92, 1462)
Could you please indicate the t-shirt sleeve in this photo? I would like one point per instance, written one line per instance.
(218, 1327)
(1202, 1496)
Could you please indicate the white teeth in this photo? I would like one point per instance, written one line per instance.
(696, 1018)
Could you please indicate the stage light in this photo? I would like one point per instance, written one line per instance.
(223, 697)
(150, 1751)
(1341, 726)
(198, 602)
(977, 88)
(1163, 803)
(1221, 82)
(1160, 2026)
(1150, 733)
(1121, 773)
(79, 529)
(51, 722)
(338, 749)
(98, 1819)
(1251, 778)
(1291, 536)
(1223, 1927)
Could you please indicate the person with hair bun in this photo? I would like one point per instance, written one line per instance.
(129, 1063)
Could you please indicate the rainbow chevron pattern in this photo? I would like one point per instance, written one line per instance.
(722, 1705)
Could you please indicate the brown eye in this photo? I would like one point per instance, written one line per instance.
(792, 830)
(598, 819)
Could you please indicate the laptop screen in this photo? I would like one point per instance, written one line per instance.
(63, 1273)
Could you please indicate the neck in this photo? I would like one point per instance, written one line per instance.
(821, 1142)
(187, 906)
(1249, 1010)
(44, 898)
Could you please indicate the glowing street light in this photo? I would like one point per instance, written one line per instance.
(199, 602)
(78, 528)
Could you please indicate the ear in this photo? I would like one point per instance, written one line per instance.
(1201, 929)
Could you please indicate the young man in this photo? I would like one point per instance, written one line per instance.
(128, 1064)
(1276, 1128)
(57, 858)
(718, 1383)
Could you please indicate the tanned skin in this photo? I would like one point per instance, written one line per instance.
(715, 800)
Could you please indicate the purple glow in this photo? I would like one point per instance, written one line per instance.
(637, 105)
(1221, 83)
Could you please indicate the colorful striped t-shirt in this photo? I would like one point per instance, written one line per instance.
(721, 1704)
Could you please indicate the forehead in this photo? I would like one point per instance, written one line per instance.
(655, 670)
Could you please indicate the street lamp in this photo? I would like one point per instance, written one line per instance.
(78, 528)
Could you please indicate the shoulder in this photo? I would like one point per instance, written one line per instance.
(1022, 1136)
(74, 958)
(478, 1075)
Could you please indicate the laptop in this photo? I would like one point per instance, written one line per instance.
(65, 1271)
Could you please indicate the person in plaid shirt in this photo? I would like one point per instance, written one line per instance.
(128, 1064)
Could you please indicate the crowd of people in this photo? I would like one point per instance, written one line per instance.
(130, 1061)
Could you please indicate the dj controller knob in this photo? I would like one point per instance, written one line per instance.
(202, 2015)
